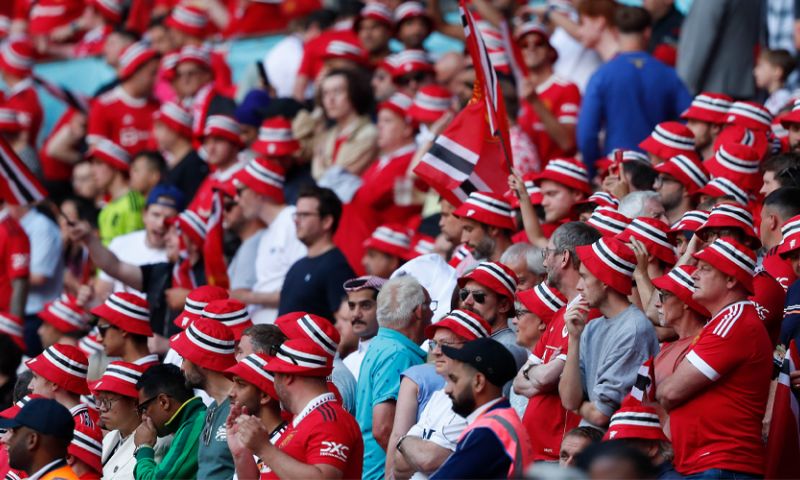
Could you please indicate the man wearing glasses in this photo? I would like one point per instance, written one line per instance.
(124, 327)
(167, 406)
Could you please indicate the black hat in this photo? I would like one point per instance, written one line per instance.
(45, 416)
(487, 356)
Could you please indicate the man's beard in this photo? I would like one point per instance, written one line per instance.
(465, 404)
(484, 248)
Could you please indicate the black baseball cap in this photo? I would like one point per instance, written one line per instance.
(487, 356)
(45, 416)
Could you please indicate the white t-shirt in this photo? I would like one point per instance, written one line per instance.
(353, 361)
(277, 251)
(575, 63)
(132, 248)
(439, 424)
(281, 65)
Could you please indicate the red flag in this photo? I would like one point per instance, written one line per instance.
(644, 388)
(216, 269)
(515, 60)
(18, 185)
(783, 444)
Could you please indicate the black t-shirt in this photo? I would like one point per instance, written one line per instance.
(188, 174)
(156, 279)
(314, 285)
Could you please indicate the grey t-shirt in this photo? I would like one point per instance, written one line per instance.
(242, 270)
(214, 459)
(612, 350)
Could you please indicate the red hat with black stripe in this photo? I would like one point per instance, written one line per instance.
(534, 192)
(791, 236)
(275, 138)
(611, 261)
(17, 57)
(90, 344)
(723, 187)
(206, 343)
(64, 365)
(730, 215)
(394, 240)
(738, 163)
(196, 301)
(301, 356)
(430, 103)
(189, 19)
(655, 235)
(110, 10)
(690, 221)
(132, 58)
(608, 221)
(176, 118)
(375, 11)
(680, 283)
(12, 326)
(465, 324)
(398, 102)
(345, 49)
(87, 446)
(749, 115)
(111, 154)
(421, 244)
(252, 369)
(495, 276)
(230, 312)
(709, 107)
(758, 139)
(410, 61)
(542, 300)
(792, 117)
(191, 54)
(601, 199)
(192, 225)
(669, 139)
(120, 378)
(685, 169)
(225, 127)
(731, 258)
(127, 311)
(488, 208)
(263, 176)
(635, 421)
(65, 314)
(408, 10)
(568, 172)
(318, 330)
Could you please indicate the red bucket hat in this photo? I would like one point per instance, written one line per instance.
(120, 378)
(568, 172)
(206, 343)
(275, 138)
(463, 323)
(191, 224)
(87, 446)
(793, 116)
(263, 176)
(410, 61)
(430, 103)
(196, 301)
(487, 208)
(543, 301)
(12, 326)
(679, 282)
(421, 244)
(111, 10)
(191, 54)
(17, 57)
(758, 139)
(175, 117)
(90, 345)
(669, 139)
(730, 215)
(65, 314)
(738, 163)
(133, 58)
(301, 356)
(655, 235)
(608, 221)
(111, 154)
(690, 221)
(635, 422)
(791, 236)
(709, 107)
(231, 313)
(375, 11)
(189, 19)
(685, 169)
(223, 126)
(252, 369)
(318, 330)
(534, 192)
(347, 50)
(127, 311)
(495, 276)
(408, 10)
(731, 258)
(601, 199)
(720, 187)
(399, 103)
(64, 365)
(611, 261)
(392, 240)
(749, 115)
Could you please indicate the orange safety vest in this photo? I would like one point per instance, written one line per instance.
(62, 473)
(506, 425)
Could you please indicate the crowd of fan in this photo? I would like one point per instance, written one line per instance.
(623, 308)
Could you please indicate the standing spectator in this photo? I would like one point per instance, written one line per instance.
(666, 32)
(123, 213)
(716, 45)
(563, 182)
(196, 89)
(124, 327)
(172, 132)
(241, 268)
(772, 70)
(314, 283)
(15, 258)
(413, 24)
(386, 250)
(374, 26)
(605, 354)
(17, 58)
(403, 313)
(85, 451)
(362, 303)
(63, 321)
(167, 407)
(148, 169)
(616, 100)
(124, 115)
(679, 179)
(725, 375)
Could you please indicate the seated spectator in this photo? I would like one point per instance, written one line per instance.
(193, 80)
(486, 225)
(564, 182)
(85, 451)
(62, 321)
(386, 250)
(706, 117)
(615, 459)
(124, 327)
(374, 26)
(679, 178)
(576, 441)
(413, 24)
(222, 143)
(362, 305)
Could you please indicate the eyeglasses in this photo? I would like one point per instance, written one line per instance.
(102, 329)
(432, 344)
(298, 215)
(107, 403)
(547, 251)
(143, 406)
(521, 312)
(477, 295)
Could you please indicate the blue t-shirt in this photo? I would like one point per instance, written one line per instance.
(427, 380)
(628, 97)
(314, 284)
(389, 354)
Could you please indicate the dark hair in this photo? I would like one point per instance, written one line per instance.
(510, 97)
(786, 200)
(574, 234)
(11, 357)
(265, 338)
(22, 387)
(632, 19)
(359, 89)
(589, 433)
(620, 452)
(329, 203)
(779, 162)
(789, 176)
(643, 177)
(323, 19)
(598, 8)
(87, 210)
(154, 160)
(128, 34)
(780, 58)
(167, 379)
(157, 21)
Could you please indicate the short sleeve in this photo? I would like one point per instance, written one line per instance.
(332, 445)
(47, 254)
(717, 351)
(97, 125)
(569, 106)
(19, 255)
(386, 377)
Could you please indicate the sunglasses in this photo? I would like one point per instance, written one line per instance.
(477, 295)
(411, 77)
(102, 329)
(432, 344)
(143, 406)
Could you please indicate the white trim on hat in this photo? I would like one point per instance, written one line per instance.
(604, 196)
(125, 374)
(486, 202)
(118, 304)
(736, 164)
(194, 221)
(400, 100)
(729, 188)
(230, 319)
(264, 175)
(711, 103)
(63, 312)
(300, 358)
(634, 156)
(177, 114)
(375, 9)
(194, 306)
(733, 211)
(271, 134)
(750, 111)
(185, 16)
(650, 233)
(600, 219)
(690, 168)
(408, 10)
(393, 237)
(317, 335)
(467, 322)
(682, 278)
(113, 150)
(733, 254)
(569, 169)
(673, 140)
(130, 54)
(257, 364)
(85, 442)
(13, 58)
(612, 259)
(222, 122)
(207, 342)
(64, 363)
(338, 47)
(499, 274)
(635, 419)
(790, 228)
(10, 326)
(430, 102)
(698, 216)
(547, 297)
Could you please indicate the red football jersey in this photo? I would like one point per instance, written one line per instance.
(123, 119)
(24, 99)
(721, 426)
(81, 413)
(53, 169)
(769, 301)
(779, 268)
(15, 256)
(314, 49)
(324, 433)
(563, 99)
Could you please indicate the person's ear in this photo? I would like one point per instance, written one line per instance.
(163, 401)
(34, 440)
(263, 398)
(327, 222)
(478, 382)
